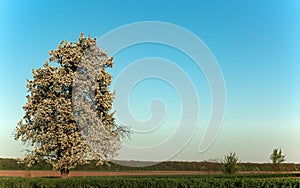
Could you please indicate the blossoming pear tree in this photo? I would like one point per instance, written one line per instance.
(68, 117)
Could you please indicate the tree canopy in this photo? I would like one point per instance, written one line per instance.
(68, 115)
(277, 156)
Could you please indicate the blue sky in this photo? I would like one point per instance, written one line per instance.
(256, 44)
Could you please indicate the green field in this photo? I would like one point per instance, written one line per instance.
(157, 181)
(264, 179)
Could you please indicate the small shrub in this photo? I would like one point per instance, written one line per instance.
(229, 164)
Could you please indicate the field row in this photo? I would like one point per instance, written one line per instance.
(147, 182)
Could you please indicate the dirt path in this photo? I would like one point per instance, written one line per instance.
(41, 173)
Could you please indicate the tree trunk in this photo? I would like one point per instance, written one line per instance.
(64, 172)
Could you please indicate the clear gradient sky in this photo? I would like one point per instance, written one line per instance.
(256, 44)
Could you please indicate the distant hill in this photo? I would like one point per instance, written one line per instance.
(12, 164)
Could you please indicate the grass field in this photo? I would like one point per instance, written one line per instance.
(165, 174)
(270, 180)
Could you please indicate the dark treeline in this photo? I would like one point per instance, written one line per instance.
(12, 164)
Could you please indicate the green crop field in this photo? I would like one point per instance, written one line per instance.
(157, 181)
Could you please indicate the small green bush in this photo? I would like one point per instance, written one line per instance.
(230, 163)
